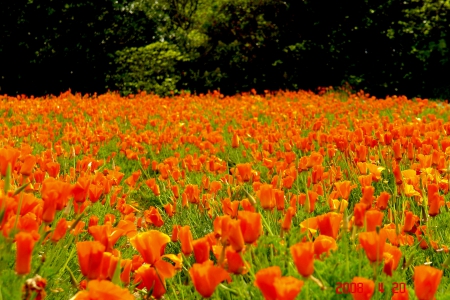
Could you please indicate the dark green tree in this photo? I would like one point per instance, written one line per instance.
(50, 46)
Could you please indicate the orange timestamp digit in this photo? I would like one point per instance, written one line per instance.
(349, 288)
(397, 287)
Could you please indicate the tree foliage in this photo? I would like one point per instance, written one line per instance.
(49, 46)
(381, 46)
(384, 47)
(149, 68)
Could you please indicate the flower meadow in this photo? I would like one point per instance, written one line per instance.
(287, 195)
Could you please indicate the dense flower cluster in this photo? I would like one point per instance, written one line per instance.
(144, 189)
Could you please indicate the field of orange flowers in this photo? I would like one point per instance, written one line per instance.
(289, 195)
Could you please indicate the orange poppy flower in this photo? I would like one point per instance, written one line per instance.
(397, 174)
(175, 233)
(365, 180)
(106, 235)
(231, 233)
(331, 151)
(152, 216)
(28, 164)
(314, 159)
(387, 138)
(110, 218)
(303, 255)
(235, 141)
(382, 200)
(90, 255)
(8, 155)
(359, 214)
(318, 188)
(248, 205)
(287, 182)
(367, 197)
(25, 244)
(310, 226)
(53, 169)
(230, 208)
(329, 224)
(235, 236)
(109, 264)
(176, 191)
(215, 187)
(201, 250)
(81, 188)
(126, 265)
(115, 176)
(154, 281)
(130, 181)
(367, 291)
(192, 193)
(245, 171)
(336, 205)
(151, 183)
(397, 148)
(323, 244)
(287, 287)
(303, 164)
(426, 282)
(128, 226)
(279, 199)
(434, 199)
(410, 221)
(373, 244)
(374, 218)
(424, 161)
(265, 280)
(60, 230)
(93, 220)
(273, 286)
(392, 257)
(344, 188)
(169, 209)
(266, 196)
(95, 191)
(235, 263)
(206, 277)
(287, 221)
(218, 225)
(251, 225)
(401, 295)
(186, 240)
(55, 195)
(312, 196)
(78, 228)
(362, 167)
(317, 173)
(256, 186)
(361, 153)
(410, 191)
(103, 289)
(410, 151)
(375, 171)
(150, 245)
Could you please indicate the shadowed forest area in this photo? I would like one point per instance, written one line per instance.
(165, 46)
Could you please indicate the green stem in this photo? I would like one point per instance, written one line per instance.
(266, 224)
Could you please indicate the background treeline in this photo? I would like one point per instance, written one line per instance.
(164, 46)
